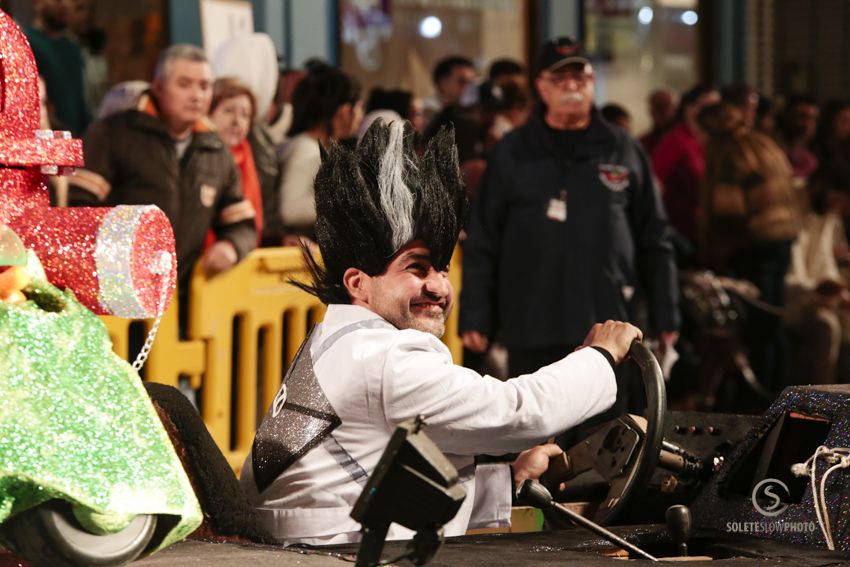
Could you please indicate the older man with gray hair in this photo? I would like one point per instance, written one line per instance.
(165, 152)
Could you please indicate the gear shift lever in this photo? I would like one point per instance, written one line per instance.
(679, 526)
(535, 494)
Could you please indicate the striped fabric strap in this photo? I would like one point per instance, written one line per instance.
(343, 457)
(237, 212)
(366, 324)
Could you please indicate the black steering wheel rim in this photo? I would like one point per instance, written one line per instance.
(656, 411)
(645, 460)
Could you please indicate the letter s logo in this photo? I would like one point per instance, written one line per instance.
(767, 488)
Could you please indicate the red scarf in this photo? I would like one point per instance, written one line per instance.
(244, 158)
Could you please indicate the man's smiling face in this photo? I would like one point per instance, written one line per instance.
(410, 293)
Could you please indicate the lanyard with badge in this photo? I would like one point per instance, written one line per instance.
(557, 209)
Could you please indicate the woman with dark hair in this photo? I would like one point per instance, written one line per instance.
(325, 107)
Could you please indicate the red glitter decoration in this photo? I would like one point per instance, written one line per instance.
(71, 242)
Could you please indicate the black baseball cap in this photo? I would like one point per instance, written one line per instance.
(560, 51)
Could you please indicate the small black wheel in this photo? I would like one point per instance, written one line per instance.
(50, 536)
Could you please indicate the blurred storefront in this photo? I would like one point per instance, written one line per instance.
(641, 45)
(778, 46)
(132, 33)
(636, 45)
(398, 42)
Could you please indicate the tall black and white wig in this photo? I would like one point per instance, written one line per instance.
(374, 200)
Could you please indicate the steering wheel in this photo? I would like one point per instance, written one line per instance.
(623, 451)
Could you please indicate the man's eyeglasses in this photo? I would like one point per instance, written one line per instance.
(561, 79)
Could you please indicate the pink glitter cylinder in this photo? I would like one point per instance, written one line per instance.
(117, 260)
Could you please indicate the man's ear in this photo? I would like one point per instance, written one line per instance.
(358, 284)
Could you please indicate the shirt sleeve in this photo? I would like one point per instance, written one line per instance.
(468, 414)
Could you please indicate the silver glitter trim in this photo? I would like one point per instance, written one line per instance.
(113, 259)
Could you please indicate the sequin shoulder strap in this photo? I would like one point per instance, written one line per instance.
(301, 417)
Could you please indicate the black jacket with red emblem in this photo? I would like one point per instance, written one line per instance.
(131, 160)
(559, 242)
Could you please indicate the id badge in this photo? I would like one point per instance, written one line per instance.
(557, 210)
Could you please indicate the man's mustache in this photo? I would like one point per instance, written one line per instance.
(431, 298)
(572, 97)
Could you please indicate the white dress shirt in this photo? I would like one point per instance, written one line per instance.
(378, 377)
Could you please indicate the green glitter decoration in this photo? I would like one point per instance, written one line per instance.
(76, 423)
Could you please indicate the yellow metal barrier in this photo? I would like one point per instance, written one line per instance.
(256, 294)
(451, 337)
(170, 358)
(270, 317)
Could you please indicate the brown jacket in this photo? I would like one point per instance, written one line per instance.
(131, 160)
(747, 196)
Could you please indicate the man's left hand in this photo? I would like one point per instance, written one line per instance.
(219, 257)
(533, 462)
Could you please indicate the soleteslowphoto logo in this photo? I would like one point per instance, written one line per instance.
(766, 497)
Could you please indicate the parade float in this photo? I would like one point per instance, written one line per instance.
(87, 472)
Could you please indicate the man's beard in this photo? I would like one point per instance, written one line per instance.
(434, 325)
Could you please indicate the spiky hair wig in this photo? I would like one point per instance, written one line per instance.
(376, 199)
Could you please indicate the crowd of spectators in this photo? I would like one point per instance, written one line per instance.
(573, 219)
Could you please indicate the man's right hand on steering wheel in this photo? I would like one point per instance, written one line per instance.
(616, 337)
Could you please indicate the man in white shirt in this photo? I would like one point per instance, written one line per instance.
(387, 223)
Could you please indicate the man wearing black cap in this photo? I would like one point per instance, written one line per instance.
(567, 229)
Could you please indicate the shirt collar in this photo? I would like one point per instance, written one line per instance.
(339, 315)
